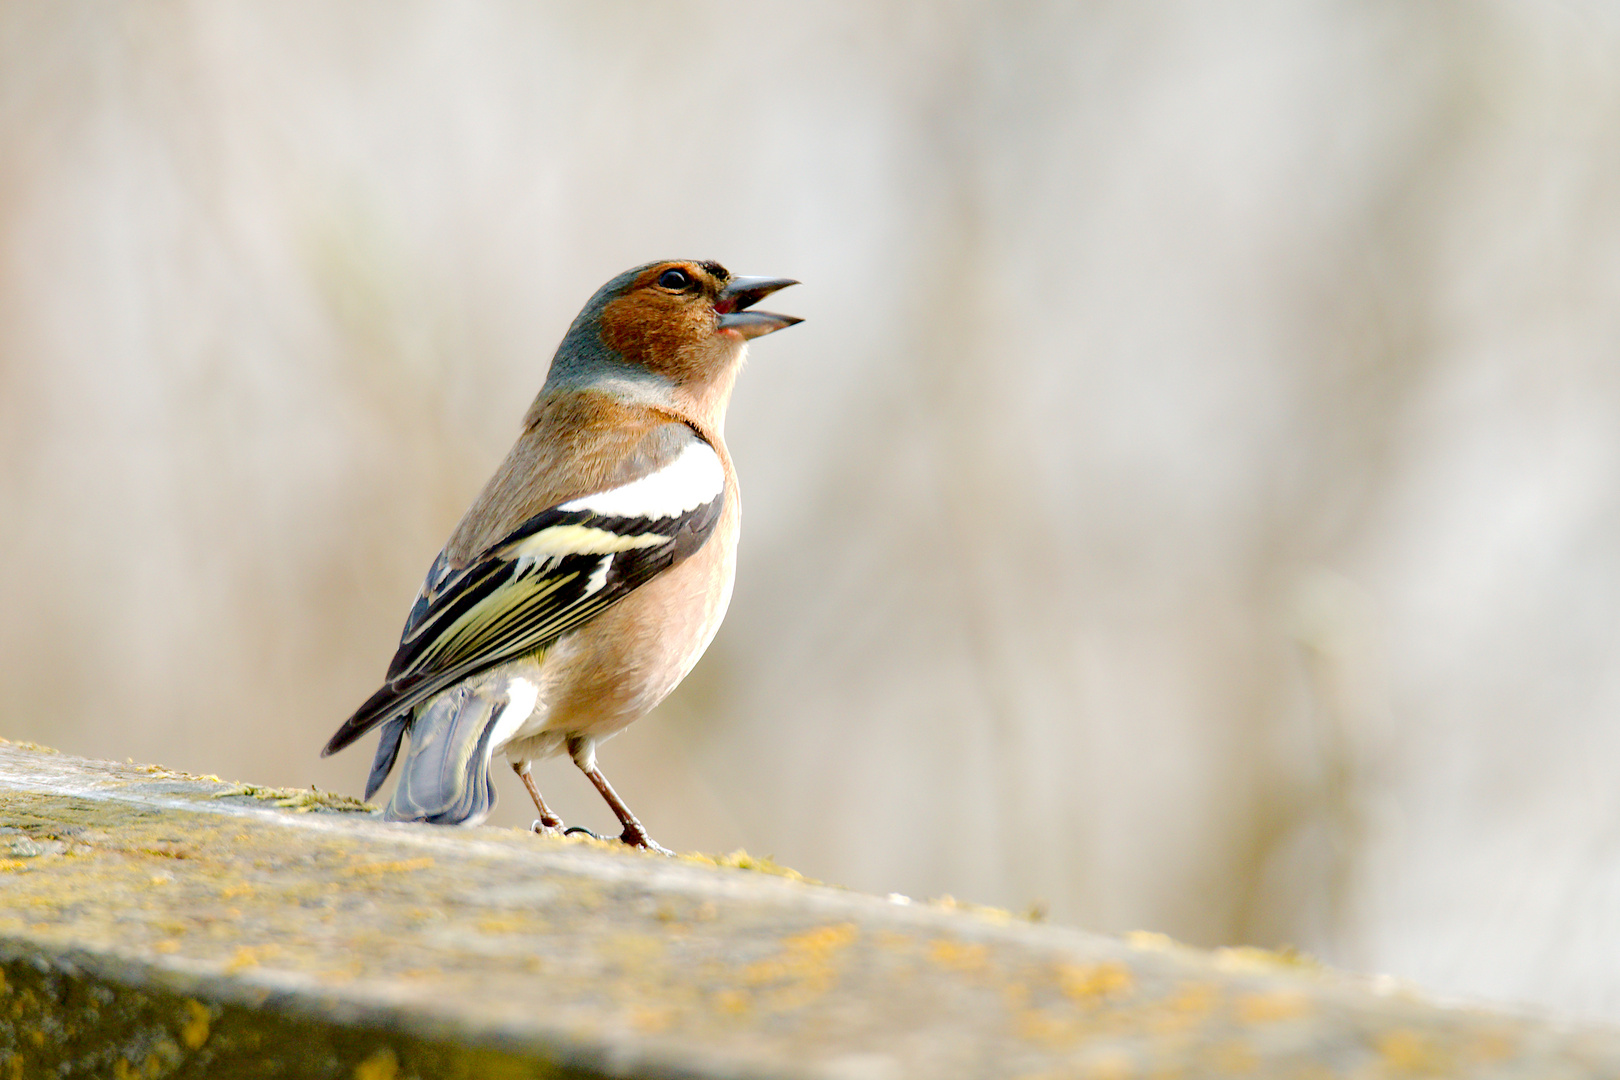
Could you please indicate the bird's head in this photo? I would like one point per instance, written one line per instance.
(680, 322)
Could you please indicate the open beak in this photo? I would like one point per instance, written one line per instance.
(742, 293)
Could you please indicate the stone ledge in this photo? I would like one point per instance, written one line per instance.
(154, 924)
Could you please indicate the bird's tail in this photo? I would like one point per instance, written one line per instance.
(445, 777)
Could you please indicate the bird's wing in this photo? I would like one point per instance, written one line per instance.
(554, 572)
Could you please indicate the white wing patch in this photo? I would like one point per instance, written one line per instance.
(598, 576)
(695, 477)
(561, 540)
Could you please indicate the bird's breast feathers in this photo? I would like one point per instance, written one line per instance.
(560, 568)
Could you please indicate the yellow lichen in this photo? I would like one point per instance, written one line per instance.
(174, 774)
(194, 1031)
(245, 957)
(382, 1065)
(741, 860)
(956, 956)
(948, 902)
(33, 746)
(1090, 983)
(299, 799)
(1048, 1028)
(633, 952)
(1408, 1053)
(824, 939)
(806, 967)
(1187, 1008)
(1194, 998)
(731, 1002)
(498, 925)
(1248, 958)
(398, 866)
(1272, 1006)
(652, 1019)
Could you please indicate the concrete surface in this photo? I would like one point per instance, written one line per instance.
(154, 924)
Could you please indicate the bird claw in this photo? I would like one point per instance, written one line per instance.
(631, 837)
(540, 828)
(637, 837)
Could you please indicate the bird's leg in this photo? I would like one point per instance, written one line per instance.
(549, 824)
(635, 833)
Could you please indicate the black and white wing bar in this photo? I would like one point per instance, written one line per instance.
(550, 575)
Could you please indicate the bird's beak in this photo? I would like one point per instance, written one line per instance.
(744, 292)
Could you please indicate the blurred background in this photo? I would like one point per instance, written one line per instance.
(1193, 502)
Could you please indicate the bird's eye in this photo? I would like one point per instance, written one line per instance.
(674, 280)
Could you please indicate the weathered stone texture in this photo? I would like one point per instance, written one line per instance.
(159, 925)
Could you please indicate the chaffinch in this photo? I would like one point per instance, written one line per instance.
(595, 566)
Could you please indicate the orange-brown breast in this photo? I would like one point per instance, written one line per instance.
(616, 668)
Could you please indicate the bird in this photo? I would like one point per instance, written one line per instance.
(595, 566)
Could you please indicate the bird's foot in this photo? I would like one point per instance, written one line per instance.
(552, 828)
(572, 829)
(635, 835)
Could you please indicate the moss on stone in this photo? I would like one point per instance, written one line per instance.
(155, 923)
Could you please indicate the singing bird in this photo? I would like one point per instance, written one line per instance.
(594, 568)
